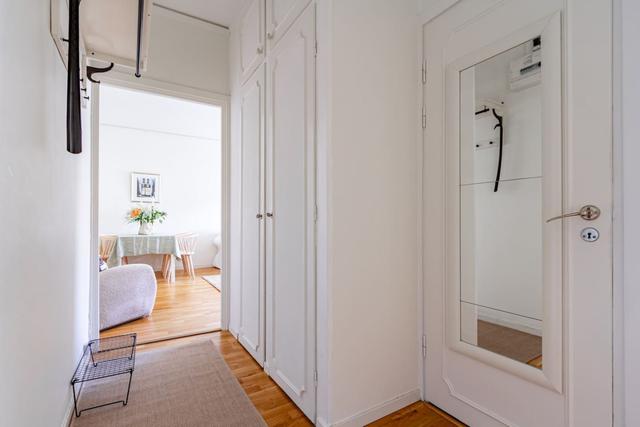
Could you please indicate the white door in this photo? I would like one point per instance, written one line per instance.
(518, 302)
(290, 210)
(252, 285)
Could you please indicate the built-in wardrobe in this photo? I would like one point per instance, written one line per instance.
(277, 49)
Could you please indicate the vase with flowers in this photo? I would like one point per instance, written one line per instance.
(146, 217)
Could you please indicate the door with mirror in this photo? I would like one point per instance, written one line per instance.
(504, 189)
(519, 249)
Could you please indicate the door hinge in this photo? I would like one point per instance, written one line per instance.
(315, 213)
(424, 118)
(424, 72)
(316, 48)
(424, 346)
(315, 378)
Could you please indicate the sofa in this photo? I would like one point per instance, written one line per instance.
(127, 293)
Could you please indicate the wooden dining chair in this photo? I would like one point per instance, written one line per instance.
(187, 244)
(107, 245)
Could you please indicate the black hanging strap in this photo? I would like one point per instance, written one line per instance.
(499, 125)
(74, 127)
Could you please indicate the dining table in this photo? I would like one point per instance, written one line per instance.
(130, 245)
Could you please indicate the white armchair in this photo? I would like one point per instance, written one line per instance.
(127, 293)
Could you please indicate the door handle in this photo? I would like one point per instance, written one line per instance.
(259, 216)
(587, 212)
(269, 215)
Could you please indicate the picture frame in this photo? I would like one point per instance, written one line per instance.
(145, 187)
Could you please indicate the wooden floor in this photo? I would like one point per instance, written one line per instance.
(274, 405)
(183, 308)
(419, 414)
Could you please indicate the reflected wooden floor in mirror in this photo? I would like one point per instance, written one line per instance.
(536, 363)
(517, 345)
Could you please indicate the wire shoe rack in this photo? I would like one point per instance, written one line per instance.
(104, 358)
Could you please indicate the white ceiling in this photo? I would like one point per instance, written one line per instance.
(221, 12)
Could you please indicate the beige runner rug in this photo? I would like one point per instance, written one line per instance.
(189, 385)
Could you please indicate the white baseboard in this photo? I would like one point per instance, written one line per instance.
(519, 323)
(68, 414)
(321, 422)
(376, 412)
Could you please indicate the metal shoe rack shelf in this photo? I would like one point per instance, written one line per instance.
(104, 358)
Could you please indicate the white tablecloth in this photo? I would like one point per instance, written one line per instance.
(136, 245)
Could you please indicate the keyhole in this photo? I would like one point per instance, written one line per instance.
(590, 234)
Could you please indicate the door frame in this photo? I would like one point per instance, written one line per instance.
(428, 14)
(120, 79)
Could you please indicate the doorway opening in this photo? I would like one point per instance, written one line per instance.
(160, 214)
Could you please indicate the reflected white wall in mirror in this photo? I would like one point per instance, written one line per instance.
(501, 175)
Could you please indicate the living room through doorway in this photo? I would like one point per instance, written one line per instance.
(160, 215)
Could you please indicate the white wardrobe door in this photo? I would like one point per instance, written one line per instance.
(280, 15)
(291, 200)
(251, 38)
(251, 331)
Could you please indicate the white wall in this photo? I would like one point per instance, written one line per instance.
(372, 207)
(177, 139)
(189, 52)
(429, 9)
(44, 215)
(186, 56)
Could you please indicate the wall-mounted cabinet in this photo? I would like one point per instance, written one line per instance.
(276, 297)
(281, 14)
(252, 34)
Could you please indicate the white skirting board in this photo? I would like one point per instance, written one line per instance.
(519, 323)
(376, 412)
(68, 414)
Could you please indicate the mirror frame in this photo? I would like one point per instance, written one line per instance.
(551, 374)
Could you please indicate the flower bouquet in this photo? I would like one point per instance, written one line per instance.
(146, 216)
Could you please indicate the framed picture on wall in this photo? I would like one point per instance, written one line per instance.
(145, 187)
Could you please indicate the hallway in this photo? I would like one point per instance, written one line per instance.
(274, 405)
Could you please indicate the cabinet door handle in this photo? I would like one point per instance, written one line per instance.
(259, 216)
(270, 35)
(259, 50)
(269, 215)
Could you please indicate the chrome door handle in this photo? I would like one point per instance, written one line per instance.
(587, 212)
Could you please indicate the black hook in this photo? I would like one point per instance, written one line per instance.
(95, 70)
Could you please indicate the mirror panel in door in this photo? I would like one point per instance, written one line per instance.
(501, 204)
